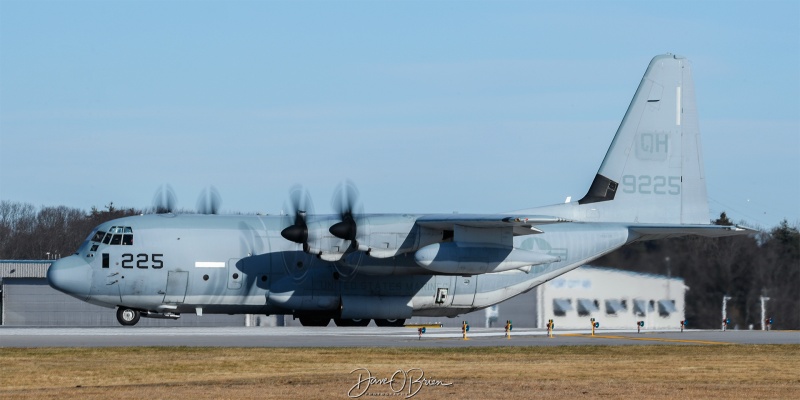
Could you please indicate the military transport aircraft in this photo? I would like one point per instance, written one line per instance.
(353, 267)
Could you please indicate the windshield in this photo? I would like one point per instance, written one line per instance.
(116, 235)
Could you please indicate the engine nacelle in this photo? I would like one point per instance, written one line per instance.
(323, 244)
(472, 259)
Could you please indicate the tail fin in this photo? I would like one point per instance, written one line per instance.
(653, 171)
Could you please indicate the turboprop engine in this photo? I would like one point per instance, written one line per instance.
(472, 259)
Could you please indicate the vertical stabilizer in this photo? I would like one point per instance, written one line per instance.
(653, 170)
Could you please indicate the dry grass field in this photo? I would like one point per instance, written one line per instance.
(660, 371)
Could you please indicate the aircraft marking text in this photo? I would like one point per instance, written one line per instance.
(646, 184)
(652, 146)
(142, 261)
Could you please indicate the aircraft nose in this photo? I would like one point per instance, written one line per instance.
(71, 275)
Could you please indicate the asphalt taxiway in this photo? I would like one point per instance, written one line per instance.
(369, 337)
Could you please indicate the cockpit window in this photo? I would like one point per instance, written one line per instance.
(117, 235)
(98, 236)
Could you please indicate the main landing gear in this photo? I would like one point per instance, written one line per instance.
(390, 322)
(351, 322)
(323, 321)
(314, 321)
(128, 316)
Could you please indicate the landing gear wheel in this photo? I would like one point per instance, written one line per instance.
(314, 321)
(351, 322)
(127, 316)
(390, 322)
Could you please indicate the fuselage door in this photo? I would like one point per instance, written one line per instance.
(176, 287)
(465, 290)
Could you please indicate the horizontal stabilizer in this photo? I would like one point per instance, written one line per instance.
(651, 231)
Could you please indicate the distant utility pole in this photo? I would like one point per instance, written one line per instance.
(764, 312)
(725, 311)
(669, 276)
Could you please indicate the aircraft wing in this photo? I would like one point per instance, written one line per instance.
(521, 224)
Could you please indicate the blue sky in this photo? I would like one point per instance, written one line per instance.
(426, 106)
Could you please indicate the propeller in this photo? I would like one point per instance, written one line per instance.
(164, 200)
(299, 209)
(209, 201)
(345, 202)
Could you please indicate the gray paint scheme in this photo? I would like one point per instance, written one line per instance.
(242, 264)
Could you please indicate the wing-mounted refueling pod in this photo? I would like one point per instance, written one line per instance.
(476, 258)
(481, 243)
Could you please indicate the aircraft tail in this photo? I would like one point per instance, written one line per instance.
(653, 170)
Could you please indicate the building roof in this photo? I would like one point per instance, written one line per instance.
(24, 268)
(631, 273)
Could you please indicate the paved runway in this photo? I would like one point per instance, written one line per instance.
(367, 337)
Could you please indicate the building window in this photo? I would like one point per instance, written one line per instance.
(666, 307)
(615, 307)
(561, 306)
(587, 306)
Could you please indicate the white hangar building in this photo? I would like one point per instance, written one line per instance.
(615, 298)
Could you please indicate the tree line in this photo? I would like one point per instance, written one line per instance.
(28, 233)
(742, 267)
